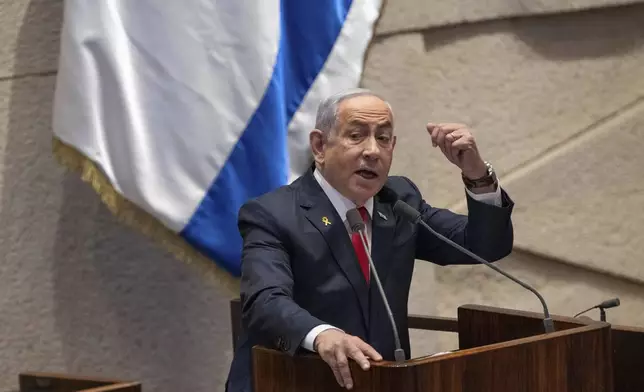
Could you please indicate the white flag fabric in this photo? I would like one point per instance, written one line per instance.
(189, 108)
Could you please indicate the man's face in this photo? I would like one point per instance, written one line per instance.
(356, 156)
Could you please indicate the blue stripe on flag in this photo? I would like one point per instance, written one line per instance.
(259, 161)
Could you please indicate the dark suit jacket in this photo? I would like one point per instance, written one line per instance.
(298, 272)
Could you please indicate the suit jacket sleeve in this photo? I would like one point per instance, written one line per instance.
(486, 231)
(269, 312)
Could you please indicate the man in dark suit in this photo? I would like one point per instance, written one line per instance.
(306, 283)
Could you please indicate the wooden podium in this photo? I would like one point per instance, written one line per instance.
(627, 343)
(495, 355)
(499, 350)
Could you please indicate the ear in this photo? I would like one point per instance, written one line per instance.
(317, 142)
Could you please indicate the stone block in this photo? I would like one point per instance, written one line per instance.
(414, 15)
(30, 36)
(523, 86)
(582, 202)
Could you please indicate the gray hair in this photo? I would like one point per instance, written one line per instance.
(327, 115)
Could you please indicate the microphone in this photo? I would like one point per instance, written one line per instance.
(408, 212)
(609, 303)
(357, 226)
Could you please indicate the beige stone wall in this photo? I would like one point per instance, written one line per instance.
(418, 15)
(557, 104)
(79, 292)
(553, 90)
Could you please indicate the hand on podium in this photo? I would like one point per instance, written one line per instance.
(336, 347)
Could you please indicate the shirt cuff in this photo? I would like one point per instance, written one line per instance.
(495, 198)
(309, 339)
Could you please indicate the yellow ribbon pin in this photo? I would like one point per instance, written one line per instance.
(326, 221)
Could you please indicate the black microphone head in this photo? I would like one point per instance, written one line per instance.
(387, 195)
(406, 211)
(355, 220)
(611, 303)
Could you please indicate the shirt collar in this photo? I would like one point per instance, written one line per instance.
(340, 203)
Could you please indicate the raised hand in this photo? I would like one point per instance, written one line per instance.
(459, 147)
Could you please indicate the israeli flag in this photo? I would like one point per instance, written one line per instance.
(188, 108)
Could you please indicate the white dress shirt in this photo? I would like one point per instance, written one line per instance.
(342, 205)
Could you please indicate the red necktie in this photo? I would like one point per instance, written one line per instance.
(361, 252)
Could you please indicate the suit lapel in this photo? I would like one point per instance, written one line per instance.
(321, 213)
(383, 226)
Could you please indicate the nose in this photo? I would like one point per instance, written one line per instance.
(371, 148)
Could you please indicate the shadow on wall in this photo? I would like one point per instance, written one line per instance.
(565, 36)
(121, 307)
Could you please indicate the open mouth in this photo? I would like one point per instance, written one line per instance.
(367, 174)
